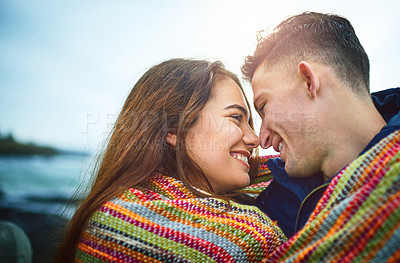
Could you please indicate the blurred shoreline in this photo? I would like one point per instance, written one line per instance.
(45, 231)
(9, 146)
(36, 193)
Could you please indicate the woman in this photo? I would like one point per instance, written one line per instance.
(178, 151)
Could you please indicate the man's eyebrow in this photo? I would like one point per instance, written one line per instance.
(236, 106)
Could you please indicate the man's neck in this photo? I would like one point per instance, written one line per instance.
(357, 131)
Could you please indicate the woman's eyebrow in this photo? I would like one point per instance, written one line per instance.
(236, 106)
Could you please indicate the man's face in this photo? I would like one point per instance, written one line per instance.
(289, 119)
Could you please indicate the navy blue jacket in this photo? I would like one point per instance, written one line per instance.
(290, 201)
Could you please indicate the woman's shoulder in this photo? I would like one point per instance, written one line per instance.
(181, 228)
(150, 193)
(149, 222)
(159, 187)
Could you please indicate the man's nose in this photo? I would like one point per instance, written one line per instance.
(265, 135)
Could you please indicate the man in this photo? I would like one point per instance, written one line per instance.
(339, 165)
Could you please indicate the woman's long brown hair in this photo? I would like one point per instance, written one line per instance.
(167, 98)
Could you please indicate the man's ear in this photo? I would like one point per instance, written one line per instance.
(171, 139)
(311, 79)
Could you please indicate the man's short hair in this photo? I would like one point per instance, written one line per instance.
(325, 38)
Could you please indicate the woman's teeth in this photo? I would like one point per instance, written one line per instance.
(280, 146)
(240, 157)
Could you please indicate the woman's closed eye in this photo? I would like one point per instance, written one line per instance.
(237, 117)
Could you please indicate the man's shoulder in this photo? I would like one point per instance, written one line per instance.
(361, 203)
(387, 102)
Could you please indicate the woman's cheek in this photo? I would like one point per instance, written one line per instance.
(235, 134)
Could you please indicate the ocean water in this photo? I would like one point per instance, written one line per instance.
(42, 184)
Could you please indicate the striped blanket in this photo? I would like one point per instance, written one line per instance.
(358, 217)
(162, 221)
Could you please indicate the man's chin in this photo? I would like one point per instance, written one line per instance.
(292, 171)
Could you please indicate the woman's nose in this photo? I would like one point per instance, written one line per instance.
(251, 139)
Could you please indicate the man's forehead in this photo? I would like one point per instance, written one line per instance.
(258, 74)
(266, 77)
(272, 69)
(259, 81)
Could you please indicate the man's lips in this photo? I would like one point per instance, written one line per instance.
(278, 144)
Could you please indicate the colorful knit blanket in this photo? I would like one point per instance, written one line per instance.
(358, 217)
(162, 221)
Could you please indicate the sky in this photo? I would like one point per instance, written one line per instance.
(66, 67)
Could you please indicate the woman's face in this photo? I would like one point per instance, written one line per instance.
(220, 141)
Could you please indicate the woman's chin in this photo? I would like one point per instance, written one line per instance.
(241, 183)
